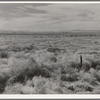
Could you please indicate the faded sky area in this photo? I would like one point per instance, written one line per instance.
(49, 17)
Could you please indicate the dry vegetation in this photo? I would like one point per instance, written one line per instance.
(49, 65)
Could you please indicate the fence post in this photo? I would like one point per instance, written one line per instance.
(81, 61)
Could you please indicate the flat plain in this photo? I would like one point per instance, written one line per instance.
(50, 63)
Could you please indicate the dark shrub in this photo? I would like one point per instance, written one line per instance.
(53, 59)
(86, 67)
(51, 49)
(68, 77)
(4, 54)
(3, 80)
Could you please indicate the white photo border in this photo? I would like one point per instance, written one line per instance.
(52, 96)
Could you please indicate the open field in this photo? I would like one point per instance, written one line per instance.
(50, 64)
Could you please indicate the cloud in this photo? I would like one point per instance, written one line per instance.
(10, 11)
(49, 17)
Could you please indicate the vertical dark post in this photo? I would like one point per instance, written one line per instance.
(81, 61)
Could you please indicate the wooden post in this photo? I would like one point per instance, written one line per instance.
(81, 61)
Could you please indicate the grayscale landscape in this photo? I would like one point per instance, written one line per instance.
(49, 48)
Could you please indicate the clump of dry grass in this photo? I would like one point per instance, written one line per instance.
(19, 55)
(95, 73)
(13, 89)
(19, 47)
(94, 62)
(46, 86)
(78, 87)
(96, 90)
(3, 80)
(87, 77)
(70, 77)
(38, 85)
(28, 90)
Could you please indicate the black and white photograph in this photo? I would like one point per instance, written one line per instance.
(49, 48)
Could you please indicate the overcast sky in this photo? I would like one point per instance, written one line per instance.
(49, 17)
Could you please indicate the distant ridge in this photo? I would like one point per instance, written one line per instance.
(74, 32)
